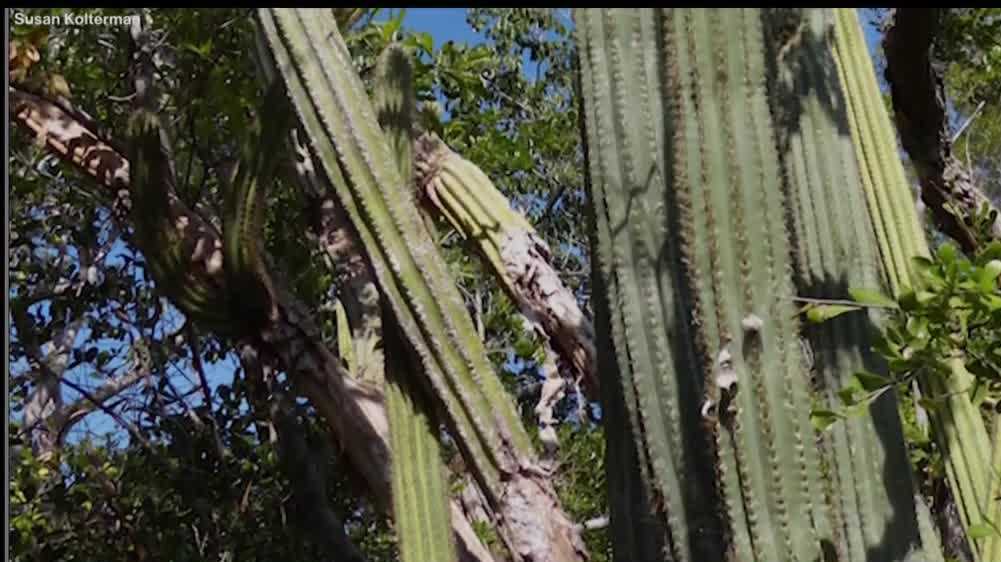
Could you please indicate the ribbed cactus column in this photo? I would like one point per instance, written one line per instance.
(696, 261)
(420, 497)
(869, 480)
(350, 148)
(957, 424)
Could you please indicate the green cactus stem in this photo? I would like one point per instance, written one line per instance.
(869, 484)
(420, 499)
(455, 188)
(957, 425)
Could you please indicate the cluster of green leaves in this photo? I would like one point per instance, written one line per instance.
(971, 39)
(969, 46)
(178, 499)
(953, 314)
(580, 483)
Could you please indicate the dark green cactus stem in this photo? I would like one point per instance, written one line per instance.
(420, 499)
(957, 425)
(351, 150)
(249, 283)
(167, 252)
(694, 194)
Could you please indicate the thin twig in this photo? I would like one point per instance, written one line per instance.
(130, 427)
(845, 302)
(196, 362)
(962, 129)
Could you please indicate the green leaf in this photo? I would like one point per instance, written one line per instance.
(871, 382)
(989, 272)
(823, 419)
(870, 297)
(991, 252)
(917, 326)
(947, 253)
(922, 263)
(931, 404)
(424, 41)
(848, 393)
(981, 531)
(817, 313)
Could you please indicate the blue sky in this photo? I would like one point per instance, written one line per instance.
(449, 24)
(444, 24)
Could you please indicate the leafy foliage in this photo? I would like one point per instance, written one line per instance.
(178, 500)
(955, 313)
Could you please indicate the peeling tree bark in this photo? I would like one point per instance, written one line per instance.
(919, 108)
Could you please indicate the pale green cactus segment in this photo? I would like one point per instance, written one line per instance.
(351, 150)
(836, 250)
(959, 429)
(890, 199)
(420, 500)
(395, 105)
(956, 424)
(420, 496)
(469, 201)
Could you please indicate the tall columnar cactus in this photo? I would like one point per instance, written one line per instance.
(957, 425)
(420, 497)
(349, 147)
(707, 217)
(835, 249)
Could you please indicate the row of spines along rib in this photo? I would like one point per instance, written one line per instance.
(868, 477)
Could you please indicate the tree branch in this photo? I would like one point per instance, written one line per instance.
(919, 107)
(129, 426)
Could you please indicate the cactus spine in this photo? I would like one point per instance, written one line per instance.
(692, 194)
(339, 120)
(956, 424)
